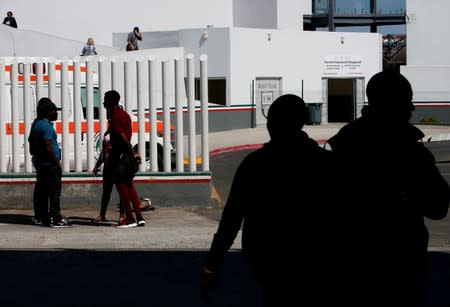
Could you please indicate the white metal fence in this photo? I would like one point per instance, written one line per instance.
(148, 87)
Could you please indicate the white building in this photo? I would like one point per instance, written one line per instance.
(428, 58)
(256, 49)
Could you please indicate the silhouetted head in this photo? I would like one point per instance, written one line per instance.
(111, 99)
(286, 117)
(136, 29)
(90, 41)
(47, 109)
(390, 95)
(9, 14)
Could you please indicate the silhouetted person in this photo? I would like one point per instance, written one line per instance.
(279, 195)
(10, 20)
(390, 183)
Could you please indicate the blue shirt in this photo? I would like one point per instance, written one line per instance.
(41, 131)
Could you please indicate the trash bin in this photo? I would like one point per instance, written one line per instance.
(314, 113)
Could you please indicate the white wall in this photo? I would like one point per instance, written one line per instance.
(295, 56)
(18, 42)
(100, 18)
(428, 50)
(427, 36)
(255, 13)
(290, 14)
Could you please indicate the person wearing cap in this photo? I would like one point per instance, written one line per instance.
(132, 40)
(389, 183)
(46, 157)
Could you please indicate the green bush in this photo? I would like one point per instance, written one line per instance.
(428, 120)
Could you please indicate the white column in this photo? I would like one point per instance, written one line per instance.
(39, 80)
(141, 101)
(3, 141)
(90, 114)
(15, 116)
(166, 115)
(152, 104)
(128, 97)
(65, 105)
(179, 94)
(51, 79)
(77, 115)
(102, 88)
(204, 106)
(115, 75)
(191, 112)
(27, 114)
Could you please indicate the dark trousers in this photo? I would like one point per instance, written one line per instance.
(108, 184)
(47, 190)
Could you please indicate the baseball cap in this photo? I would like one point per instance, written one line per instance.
(45, 105)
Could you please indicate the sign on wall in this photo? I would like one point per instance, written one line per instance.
(342, 65)
(266, 91)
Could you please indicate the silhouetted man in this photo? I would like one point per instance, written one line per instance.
(279, 195)
(390, 183)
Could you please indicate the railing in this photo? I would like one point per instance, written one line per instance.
(148, 85)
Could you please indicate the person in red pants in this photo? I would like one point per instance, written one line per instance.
(120, 136)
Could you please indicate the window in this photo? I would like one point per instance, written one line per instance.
(83, 95)
(216, 90)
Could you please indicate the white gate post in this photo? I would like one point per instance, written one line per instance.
(152, 108)
(179, 94)
(3, 159)
(141, 100)
(191, 112)
(204, 106)
(27, 114)
(77, 114)
(65, 105)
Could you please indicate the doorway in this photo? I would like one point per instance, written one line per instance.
(345, 99)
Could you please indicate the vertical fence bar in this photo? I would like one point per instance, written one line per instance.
(179, 94)
(65, 105)
(90, 114)
(152, 109)
(191, 112)
(27, 114)
(3, 146)
(204, 107)
(141, 100)
(166, 116)
(102, 91)
(115, 74)
(128, 85)
(77, 114)
(51, 79)
(15, 116)
(39, 79)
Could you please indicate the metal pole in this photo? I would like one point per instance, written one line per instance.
(179, 94)
(152, 104)
(141, 99)
(27, 114)
(65, 105)
(204, 106)
(15, 116)
(166, 116)
(77, 114)
(191, 112)
(90, 113)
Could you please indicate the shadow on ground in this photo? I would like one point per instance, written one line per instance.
(120, 278)
(147, 278)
